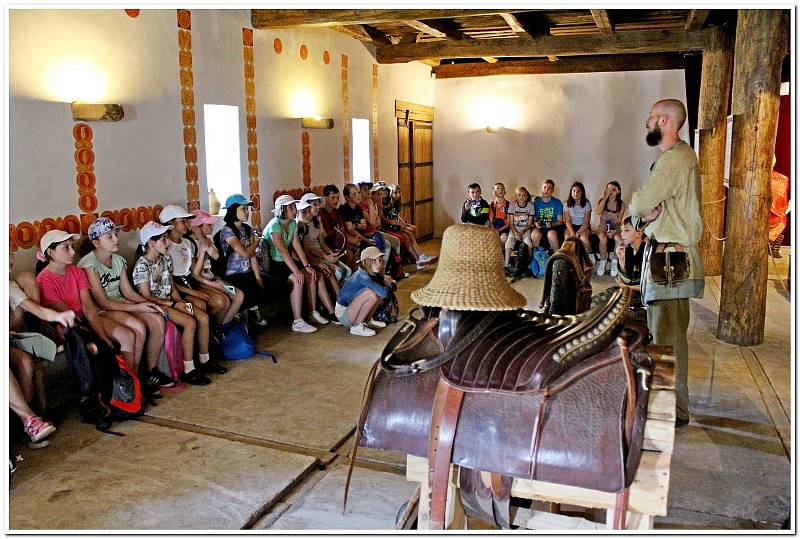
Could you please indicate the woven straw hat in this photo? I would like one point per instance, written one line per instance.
(470, 275)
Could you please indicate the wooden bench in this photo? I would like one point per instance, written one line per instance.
(648, 492)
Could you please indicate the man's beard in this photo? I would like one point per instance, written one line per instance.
(653, 138)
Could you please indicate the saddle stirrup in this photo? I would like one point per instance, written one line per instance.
(446, 409)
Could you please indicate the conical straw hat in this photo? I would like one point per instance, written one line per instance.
(470, 275)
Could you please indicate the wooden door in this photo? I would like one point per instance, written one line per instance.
(415, 165)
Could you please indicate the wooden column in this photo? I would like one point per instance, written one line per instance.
(715, 88)
(761, 37)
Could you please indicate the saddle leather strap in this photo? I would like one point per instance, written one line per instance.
(630, 404)
(537, 430)
(620, 509)
(446, 409)
(366, 397)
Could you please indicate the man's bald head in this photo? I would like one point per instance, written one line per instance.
(674, 109)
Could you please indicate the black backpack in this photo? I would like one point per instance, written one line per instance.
(520, 265)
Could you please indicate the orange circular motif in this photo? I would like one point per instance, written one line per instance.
(156, 209)
(306, 166)
(25, 235)
(188, 117)
(252, 153)
(185, 40)
(185, 19)
(248, 54)
(87, 203)
(306, 153)
(194, 205)
(187, 97)
(186, 78)
(142, 216)
(185, 59)
(303, 52)
(344, 61)
(193, 190)
(70, 224)
(250, 105)
(249, 72)
(189, 136)
(84, 157)
(247, 37)
(326, 57)
(305, 137)
(254, 185)
(307, 180)
(251, 138)
(125, 220)
(252, 170)
(132, 13)
(256, 202)
(191, 173)
(277, 45)
(82, 132)
(249, 88)
(86, 220)
(251, 122)
(190, 154)
(86, 180)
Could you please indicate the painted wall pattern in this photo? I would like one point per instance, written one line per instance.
(187, 109)
(345, 120)
(252, 137)
(375, 171)
(305, 139)
(85, 178)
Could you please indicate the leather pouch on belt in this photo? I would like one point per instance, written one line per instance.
(669, 264)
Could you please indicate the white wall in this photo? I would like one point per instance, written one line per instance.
(139, 161)
(585, 127)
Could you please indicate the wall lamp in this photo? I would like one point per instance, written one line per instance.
(97, 112)
(492, 128)
(316, 123)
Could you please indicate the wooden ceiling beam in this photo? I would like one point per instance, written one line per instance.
(622, 43)
(573, 64)
(696, 19)
(376, 35)
(425, 29)
(513, 23)
(354, 30)
(449, 28)
(527, 23)
(292, 18)
(603, 21)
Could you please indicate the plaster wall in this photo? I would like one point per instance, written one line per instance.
(573, 127)
(57, 56)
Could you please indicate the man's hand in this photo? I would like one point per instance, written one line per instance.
(652, 215)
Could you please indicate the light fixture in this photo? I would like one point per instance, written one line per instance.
(492, 128)
(316, 123)
(97, 112)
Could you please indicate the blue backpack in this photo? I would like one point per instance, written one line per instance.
(539, 262)
(236, 343)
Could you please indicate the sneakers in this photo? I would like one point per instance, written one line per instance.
(376, 324)
(301, 326)
(318, 318)
(334, 320)
(38, 429)
(614, 268)
(257, 318)
(424, 261)
(194, 378)
(601, 268)
(160, 379)
(362, 330)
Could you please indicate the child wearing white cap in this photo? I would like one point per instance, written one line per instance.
(324, 260)
(362, 293)
(64, 285)
(152, 274)
(281, 233)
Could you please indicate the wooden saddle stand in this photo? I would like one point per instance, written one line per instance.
(561, 399)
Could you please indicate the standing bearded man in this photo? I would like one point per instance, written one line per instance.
(668, 208)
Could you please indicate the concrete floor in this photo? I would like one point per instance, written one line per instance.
(263, 447)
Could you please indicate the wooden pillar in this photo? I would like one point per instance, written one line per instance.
(715, 88)
(761, 38)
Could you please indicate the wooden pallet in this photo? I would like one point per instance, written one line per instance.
(648, 492)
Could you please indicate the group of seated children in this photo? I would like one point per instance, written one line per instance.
(544, 218)
(203, 274)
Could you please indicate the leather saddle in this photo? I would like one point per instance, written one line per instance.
(561, 399)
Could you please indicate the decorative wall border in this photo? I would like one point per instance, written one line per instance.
(375, 171)
(26, 235)
(85, 178)
(252, 137)
(345, 120)
(187, 108)
(305, 139)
